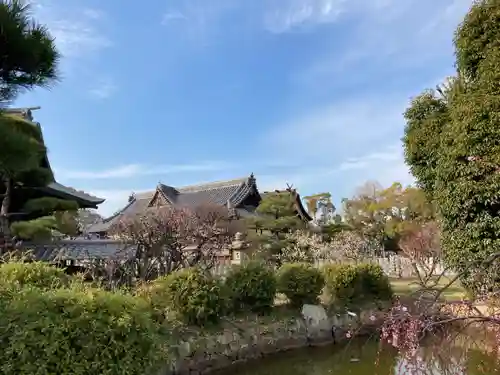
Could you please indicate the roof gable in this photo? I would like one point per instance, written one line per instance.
(230, 193)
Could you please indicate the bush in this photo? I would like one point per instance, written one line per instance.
(37, 274)
(251, 287)
(66, 331)
(357, 284)
(300, 282)
(195, 296)
(156, 294)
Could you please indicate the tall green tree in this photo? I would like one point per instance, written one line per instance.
(453, 149)
(28, 59)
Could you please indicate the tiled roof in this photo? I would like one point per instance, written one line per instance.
(219, 193)
(231, 192)
(137, 205)
(84, 250)
(76, 193)
(76, 249)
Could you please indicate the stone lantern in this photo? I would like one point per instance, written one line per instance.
(237, 248)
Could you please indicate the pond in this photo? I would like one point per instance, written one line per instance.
(363, 357)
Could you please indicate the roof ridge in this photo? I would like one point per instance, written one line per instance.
(60, 187)
(211, 185)
(119, 212)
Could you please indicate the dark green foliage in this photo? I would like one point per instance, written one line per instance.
(21, 147)
(28, 55)
(477, 36)
(196, 297)
(300, 282)
(355, 285)
(278, 216)
(452, 147)
(278, 213)
(425, 119)
(42, 228)
(28, 59)
(75, 332)
(37, 229)
(36, 274)
(251, 287)
(47, 205)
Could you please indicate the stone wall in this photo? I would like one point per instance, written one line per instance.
(394, 266)
(203, 353)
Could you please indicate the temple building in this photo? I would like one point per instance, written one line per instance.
(240, 196)
(21, 194)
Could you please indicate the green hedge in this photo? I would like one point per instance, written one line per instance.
(300, 282)
(157, 295)
(74, 332)
(37, 274)
(357, 284)
(195, 296)
(251, 287)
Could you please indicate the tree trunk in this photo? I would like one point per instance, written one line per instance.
(5, 236)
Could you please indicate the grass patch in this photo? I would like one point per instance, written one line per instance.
(404, 287)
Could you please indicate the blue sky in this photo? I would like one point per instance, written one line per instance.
(305, 92)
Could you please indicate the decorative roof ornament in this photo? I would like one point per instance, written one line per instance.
(251, 180)
(131, 197)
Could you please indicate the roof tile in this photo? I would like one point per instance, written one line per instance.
(216, 193)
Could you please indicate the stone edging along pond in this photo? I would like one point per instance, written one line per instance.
(244, 341)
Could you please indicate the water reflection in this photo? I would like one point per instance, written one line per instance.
(365, 358)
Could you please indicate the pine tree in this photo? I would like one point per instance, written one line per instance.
(28, 59)
(277, 216)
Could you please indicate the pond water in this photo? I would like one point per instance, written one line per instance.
(363, 358)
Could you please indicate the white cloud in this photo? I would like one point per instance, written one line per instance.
(337, 130)
(199, 20)
(406, 34)
(356, 137)
(134, 170)
(104, 89)
(288, 15)
(385, 166)
(340, 146)
(173, 15)
(78, 31)
(391, 154)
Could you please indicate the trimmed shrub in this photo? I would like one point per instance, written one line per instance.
(300, 282)
(71, 332)
(194, 296)
(36, 274)
(357, 284)
(251, 287)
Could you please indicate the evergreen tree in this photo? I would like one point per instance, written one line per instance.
(28, 59)
(277, 216)
(453, 149)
